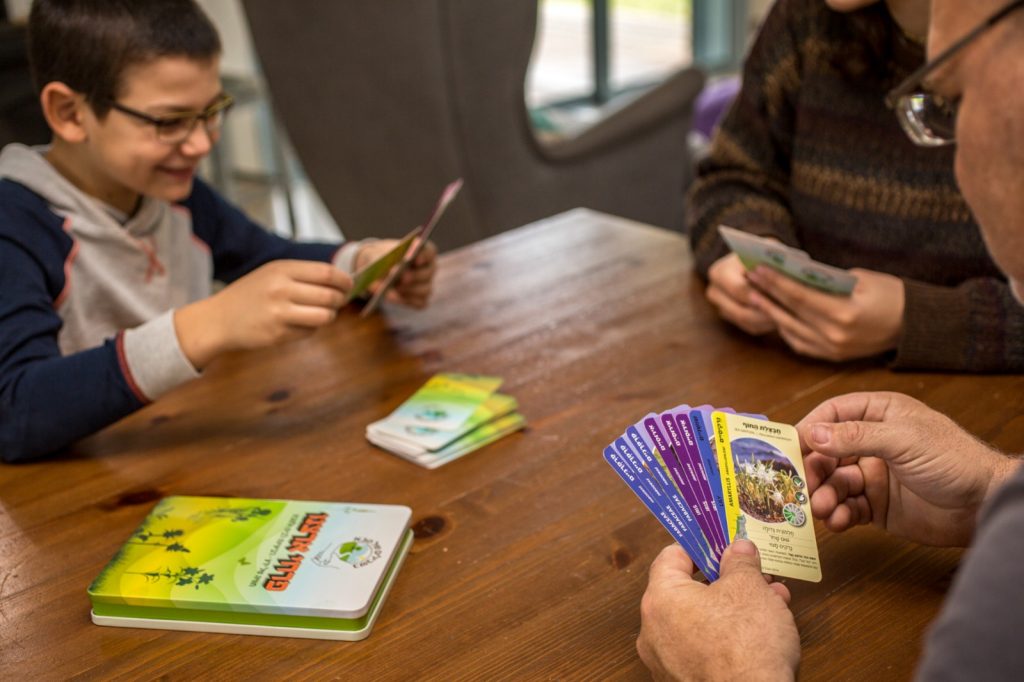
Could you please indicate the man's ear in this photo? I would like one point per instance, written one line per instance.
(64, 110)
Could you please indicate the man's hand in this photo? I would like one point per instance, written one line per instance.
(745, 628)
(887, 459)
(414, 287)
(829, 327)
(730, 292)
(277, 302)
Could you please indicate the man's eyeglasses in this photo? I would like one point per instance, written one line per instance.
(176, 128)
(928, 119)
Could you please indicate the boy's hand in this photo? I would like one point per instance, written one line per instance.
(820, 325)
(277, 302)
(746, 628)
(413, 289)
(887, 459)
(730, 292)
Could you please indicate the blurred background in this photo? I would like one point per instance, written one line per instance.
(589, 57)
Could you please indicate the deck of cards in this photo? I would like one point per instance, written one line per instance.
(793, 262)
(711, 476)
(449, 416)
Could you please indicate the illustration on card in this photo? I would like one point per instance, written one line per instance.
(767, 483)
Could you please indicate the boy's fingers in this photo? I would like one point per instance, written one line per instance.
(315, 272)
(309, 316)
(316, 295)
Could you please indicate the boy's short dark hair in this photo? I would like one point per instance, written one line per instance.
(88, 44)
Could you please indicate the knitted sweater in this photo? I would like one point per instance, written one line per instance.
(811, 155)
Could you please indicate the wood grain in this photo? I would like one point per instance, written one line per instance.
(531, 555)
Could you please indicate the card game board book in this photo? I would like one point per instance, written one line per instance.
(288, 568)
(711, 476)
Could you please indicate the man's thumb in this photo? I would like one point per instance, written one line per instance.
(740, 558)
(855, 439)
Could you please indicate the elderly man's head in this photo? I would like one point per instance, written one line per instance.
(987, 78)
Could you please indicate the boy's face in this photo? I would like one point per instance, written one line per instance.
(126, 158)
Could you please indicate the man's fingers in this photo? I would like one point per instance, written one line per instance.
(781, 590)
(818, 468)
(858, 438)
(862, 406)
(672, 565)
(741, 560)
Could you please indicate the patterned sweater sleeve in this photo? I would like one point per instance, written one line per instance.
(744, 180)
(977, 326)
(48, 401)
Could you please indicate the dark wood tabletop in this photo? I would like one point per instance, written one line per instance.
(530, 555)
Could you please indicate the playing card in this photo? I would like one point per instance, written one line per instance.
(766, 500)
(362, 280)
(797, 264)
(446, 401)
(658, 505)
(419, 438)
(422, 235)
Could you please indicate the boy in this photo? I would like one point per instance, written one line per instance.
(108, 242)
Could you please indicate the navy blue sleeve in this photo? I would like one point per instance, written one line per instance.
(47, 401)
(238, 244)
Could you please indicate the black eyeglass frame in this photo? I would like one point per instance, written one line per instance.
(913, 82)
(223, 103)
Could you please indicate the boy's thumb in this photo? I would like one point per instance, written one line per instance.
(741, 558)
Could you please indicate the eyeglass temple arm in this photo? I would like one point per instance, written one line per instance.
(913, 81)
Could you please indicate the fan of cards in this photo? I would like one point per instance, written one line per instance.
(754, 251)
(711, 476)
(449, 416)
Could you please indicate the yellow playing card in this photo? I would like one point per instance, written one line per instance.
(765, 493)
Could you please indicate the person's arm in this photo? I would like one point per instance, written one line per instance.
(48, 401)
(744, 182)
(977, 635)
(977, 326)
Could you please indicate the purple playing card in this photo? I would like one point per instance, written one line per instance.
(694, 466)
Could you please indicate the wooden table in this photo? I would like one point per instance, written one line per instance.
(531, 555)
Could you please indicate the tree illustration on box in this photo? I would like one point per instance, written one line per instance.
(235, 514)
(183, 577)
(144, 537)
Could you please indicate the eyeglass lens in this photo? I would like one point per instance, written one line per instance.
(929, 120)
(177, 130)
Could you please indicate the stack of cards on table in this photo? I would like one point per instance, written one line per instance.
(711, 476)
(450, 416)
(754, 251)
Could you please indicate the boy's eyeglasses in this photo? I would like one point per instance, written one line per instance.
(928, 119)
(176, 128)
